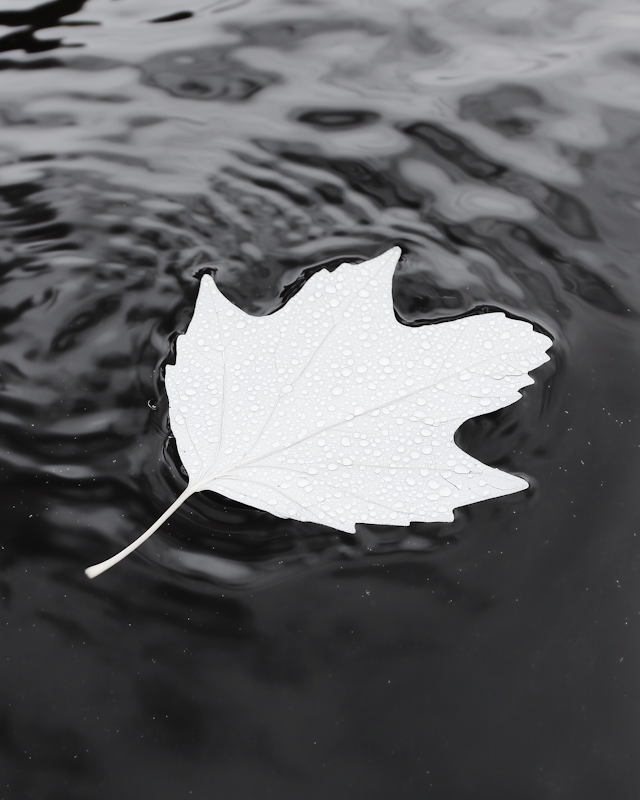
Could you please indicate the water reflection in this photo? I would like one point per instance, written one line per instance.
(142, 143)
(264, 141)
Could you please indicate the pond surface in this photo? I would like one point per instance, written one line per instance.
(144, 143)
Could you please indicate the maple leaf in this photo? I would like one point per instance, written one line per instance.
(331, 411)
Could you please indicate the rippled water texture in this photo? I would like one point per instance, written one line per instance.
(238, 655)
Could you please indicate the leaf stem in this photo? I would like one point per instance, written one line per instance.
(103, 566)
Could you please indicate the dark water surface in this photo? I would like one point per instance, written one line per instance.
(237, 655)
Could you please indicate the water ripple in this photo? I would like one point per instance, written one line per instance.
(262, 141)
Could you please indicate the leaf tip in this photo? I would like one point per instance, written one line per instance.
(392, 256)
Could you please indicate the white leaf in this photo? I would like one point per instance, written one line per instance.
(331, 411)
